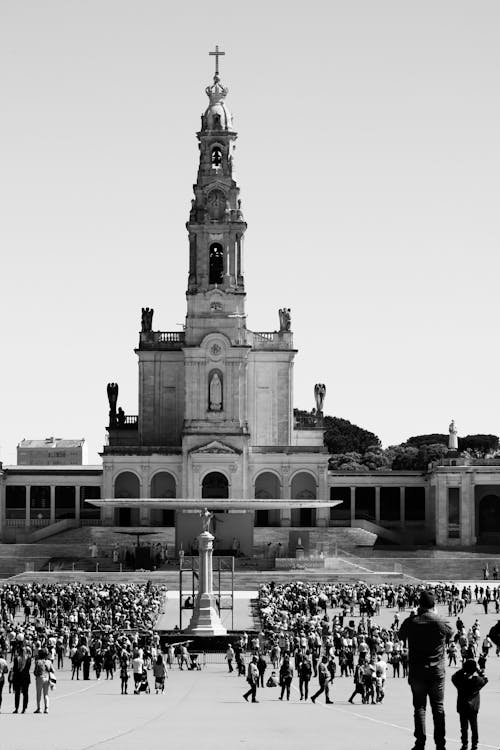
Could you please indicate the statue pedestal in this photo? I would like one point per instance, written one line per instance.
(205, 620)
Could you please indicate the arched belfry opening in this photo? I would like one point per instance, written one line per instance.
(216, 264)
(215, 486)
(216, 157)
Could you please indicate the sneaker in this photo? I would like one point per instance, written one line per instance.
(313, 699)
(328, 701)
(37, 711)
(246, 698)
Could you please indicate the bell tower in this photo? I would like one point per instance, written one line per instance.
(216, 290)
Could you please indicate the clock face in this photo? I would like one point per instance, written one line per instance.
(216, 205)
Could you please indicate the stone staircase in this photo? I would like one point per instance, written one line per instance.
(325, 540)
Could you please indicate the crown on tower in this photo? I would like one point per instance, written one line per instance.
(216, 92)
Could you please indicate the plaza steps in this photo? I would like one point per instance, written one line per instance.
(325, 540)
(106, 537)
(14, 558)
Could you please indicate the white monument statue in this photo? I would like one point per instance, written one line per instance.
(453, 439)
(205, 619)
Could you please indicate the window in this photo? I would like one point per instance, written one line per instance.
(453, 512)
(15, 501)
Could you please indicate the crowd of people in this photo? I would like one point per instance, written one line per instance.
(103, 627)
(301, 636)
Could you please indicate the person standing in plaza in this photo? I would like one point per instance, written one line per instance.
(230, 657)
(305, 671)
(323, 679)
(42, 672)
(286, 676)
(426, 635)
(468, 682)
(4, 671)
(21, 679)
(253, 680)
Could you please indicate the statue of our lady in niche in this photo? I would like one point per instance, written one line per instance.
(215, 393)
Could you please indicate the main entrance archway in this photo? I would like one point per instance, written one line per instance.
(215, 486)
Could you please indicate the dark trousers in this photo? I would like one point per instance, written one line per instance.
(285, 685)
(432, 686)
(304, 687)
(252, 691)
(324, 687)
(467, 718)
(261, 678)
(18, 691)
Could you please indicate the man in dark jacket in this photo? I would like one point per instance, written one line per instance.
(426, 634)
(21, 665)
(468, 682)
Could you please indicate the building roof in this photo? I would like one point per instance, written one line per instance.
(51, 442)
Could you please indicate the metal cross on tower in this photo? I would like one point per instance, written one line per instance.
(216, 54)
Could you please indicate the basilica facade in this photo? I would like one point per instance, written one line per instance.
(216, 420)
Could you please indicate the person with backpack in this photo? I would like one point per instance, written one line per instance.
(42, 672)
(253, 680)
(468, 682)
(286, 676)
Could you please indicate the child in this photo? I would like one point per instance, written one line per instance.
(468, 682)
(124, 676)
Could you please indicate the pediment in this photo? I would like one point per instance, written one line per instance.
(215, 446)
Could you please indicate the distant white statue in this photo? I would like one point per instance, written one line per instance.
(453, 439)
(215, 393)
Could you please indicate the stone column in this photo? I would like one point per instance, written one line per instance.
(205, 620)
(441, 519)
(353, 505)
(467, 510)
(377, 505)
(28, 505)
(78, 491)
(52, 503)
(286, 513)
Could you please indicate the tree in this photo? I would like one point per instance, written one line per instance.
(405, 457)
(341, 436)
(433, 438)
(478, 446)
(351, 461)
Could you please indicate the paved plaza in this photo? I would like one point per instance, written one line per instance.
(207, 707)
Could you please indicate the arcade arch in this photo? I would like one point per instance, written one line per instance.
(303, 487)
(267, 487)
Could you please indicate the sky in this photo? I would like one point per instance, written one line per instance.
(368, 160)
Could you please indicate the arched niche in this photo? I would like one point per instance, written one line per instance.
(216, 263)
(215, 485)
(267, 487)
(215, 390)
(163, 485)
(127, 485)
(303, 488)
